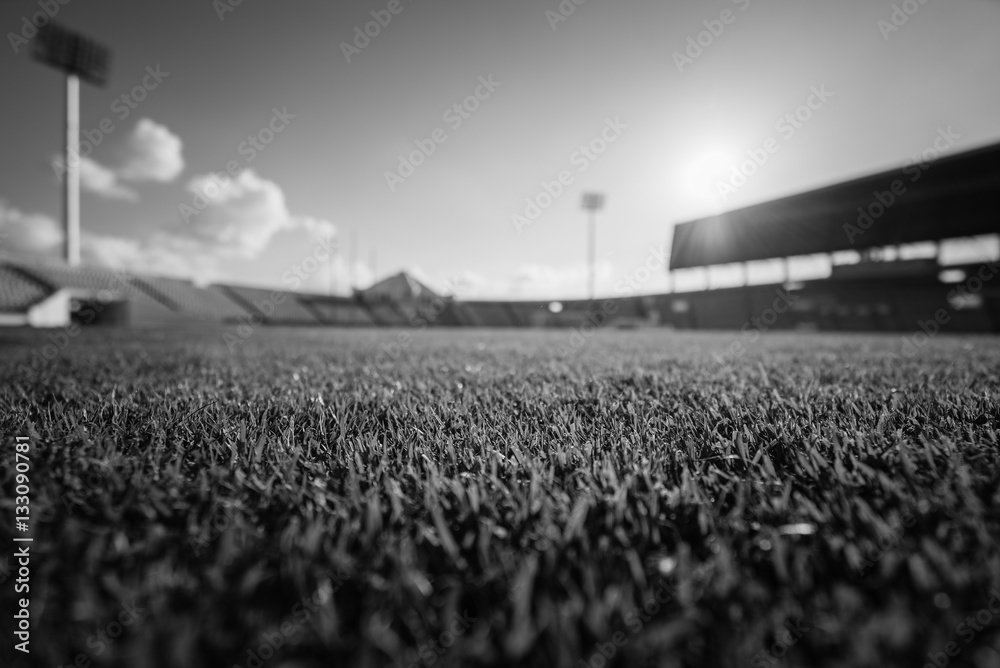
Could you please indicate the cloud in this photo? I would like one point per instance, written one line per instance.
(32, 233)
(320, 229)
(240, 215)
(153, 154)
(537, 282)
(541, 281)
(336, 275)
(236, 219)
(98, 179)
(160, 255)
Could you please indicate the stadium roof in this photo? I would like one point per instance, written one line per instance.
(954, 196)
(399, 287)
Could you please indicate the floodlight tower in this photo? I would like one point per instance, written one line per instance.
(354, 260)
(80, 58)
(592, 202)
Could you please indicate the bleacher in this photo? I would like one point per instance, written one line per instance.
(386, 313)
(18, 292)
(116, 295)
(883, 303)
(288, 312)
(203, 303)
(337, 310)
(487, 314)
(451, 315)
(61, 277)
(522, 314)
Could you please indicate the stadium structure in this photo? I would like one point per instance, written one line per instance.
(953, 197)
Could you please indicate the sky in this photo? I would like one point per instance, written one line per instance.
(455, 140)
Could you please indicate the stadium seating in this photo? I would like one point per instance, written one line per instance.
(883, 302)
(675, 310)
(265, 303)
(336, 310)
(115, 295)
(200, 303)
(386, 314)
(523, 314)
(451, 315)
(60, 277)
(630, 309)
(18, 292)
(487, 314)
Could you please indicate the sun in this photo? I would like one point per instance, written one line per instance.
(704, 173)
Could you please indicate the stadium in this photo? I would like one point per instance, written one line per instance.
(757, 431)
(952, 200)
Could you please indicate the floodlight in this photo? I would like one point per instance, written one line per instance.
(80, 58)
(72, 53)
(592, 202)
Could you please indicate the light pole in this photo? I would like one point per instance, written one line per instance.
(80, 58)
(354, 260)
(592, 202)
(71, 197)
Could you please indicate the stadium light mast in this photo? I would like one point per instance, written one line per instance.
(592, 202)
(80, 58)
(354, 260)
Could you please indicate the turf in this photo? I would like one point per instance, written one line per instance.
(434, 498)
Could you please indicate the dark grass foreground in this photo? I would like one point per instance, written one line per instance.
(498, 498)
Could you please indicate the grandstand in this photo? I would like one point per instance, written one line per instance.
(106, 296)
(398, 301)
(273, 307)
(18, 295)
(341, 311)
(208, 304)
(386, 314)
(61, 277)
(18, 292)
(488, 314)
(952, 198)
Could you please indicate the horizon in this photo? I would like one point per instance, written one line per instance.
(651, 106)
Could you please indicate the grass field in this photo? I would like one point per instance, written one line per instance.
(501, 498)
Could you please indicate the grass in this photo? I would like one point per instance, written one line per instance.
(496, 498)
